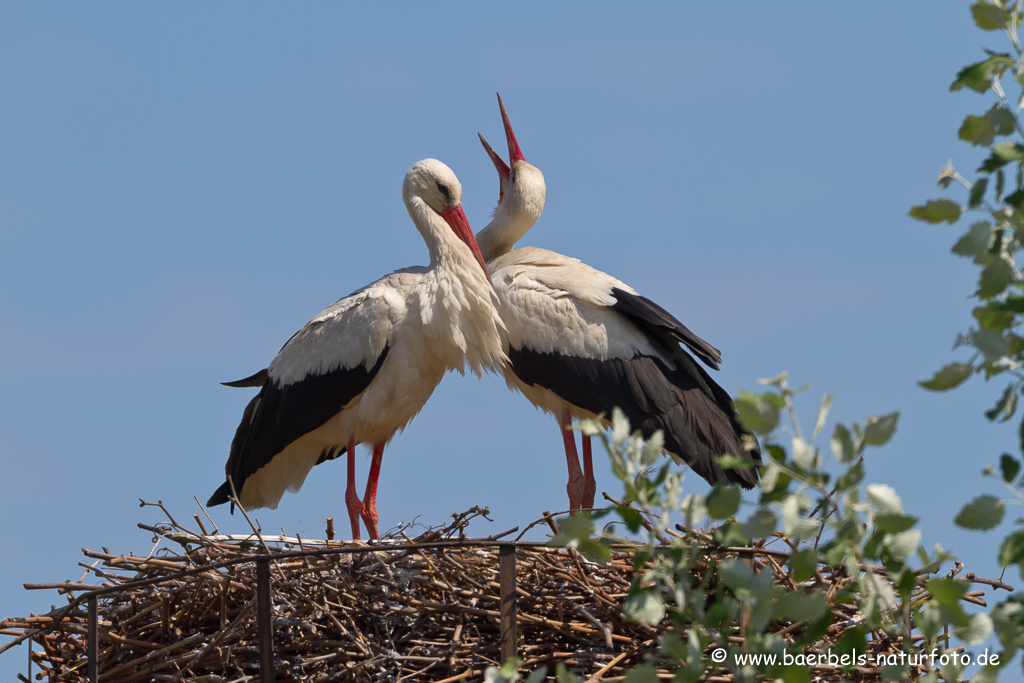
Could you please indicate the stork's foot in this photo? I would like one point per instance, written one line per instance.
(355, 509)
(369, 513)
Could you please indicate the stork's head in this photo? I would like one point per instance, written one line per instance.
(521, 193)
(432, 191)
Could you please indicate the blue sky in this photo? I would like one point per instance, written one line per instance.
(183, 186)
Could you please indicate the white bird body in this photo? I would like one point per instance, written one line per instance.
(552, 303)
(360, 370)
(581, 342)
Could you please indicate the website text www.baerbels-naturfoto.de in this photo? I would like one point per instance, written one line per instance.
(853, 658)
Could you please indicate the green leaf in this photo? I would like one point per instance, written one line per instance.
(731, 535)
(992, 344)
(936, 211)
(572, 529)
(977, 131)
(842, 444)
(978, 76)
(563, 675)
(884, 500)
(894, 524)
(735, 573)
(819, 423)
(994, 314)
(986, 674)
(799, 607)
(631, 517)
(1002, 154)
(575, 531)
(1015, 199)
(976, 242)
(538, 676)
(645, 673)
(755, 413)
(803, 563)
(977, 194)
(982, 130)
(1011, 551)
(900, 546)
(694, 508)
(989, 17)
(595, 551)
(1009, 467)
(947, 591)
(878, 430)
(796, 674)
(949, 377)
(723, 501)
(979, 628)
(994, 278)
(982, 513)
(761, 523)
(803, 453)
(847, 480)
(794, 524)
(853, 644)
(1004, 408)
(644, 607)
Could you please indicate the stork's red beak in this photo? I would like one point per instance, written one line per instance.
(514, 153)
(499, 163)
(456, 219)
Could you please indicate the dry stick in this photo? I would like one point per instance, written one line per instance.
(643, 520)
(546, 518)
(564, 566)
(610, 665)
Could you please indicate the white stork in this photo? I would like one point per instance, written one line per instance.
(361, 369)
(581, 342)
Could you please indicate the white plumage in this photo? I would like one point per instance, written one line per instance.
(582, 342)
(360, 370)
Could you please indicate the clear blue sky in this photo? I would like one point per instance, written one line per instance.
(183, 186)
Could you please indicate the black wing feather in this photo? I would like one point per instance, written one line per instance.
(657, 322)
(277, 416)
(694, 413)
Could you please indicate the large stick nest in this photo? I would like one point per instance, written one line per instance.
(404, 613)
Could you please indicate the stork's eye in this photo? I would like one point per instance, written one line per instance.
(443, 189)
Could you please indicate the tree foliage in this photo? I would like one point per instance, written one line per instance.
(823, 507)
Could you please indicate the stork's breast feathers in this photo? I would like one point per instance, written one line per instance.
(459, 320)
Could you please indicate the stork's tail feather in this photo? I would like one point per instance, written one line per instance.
(697, 419)
(256, 380)
(220, 496)
(701, 428)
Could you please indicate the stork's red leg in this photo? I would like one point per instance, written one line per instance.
(589, 484)
(370, 498)
(351, 499)
(572, 460)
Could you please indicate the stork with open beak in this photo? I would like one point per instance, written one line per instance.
(361, 369)
(581, 342)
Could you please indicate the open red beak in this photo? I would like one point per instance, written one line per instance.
(514, 153)
(456, 219)
(499, 163)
